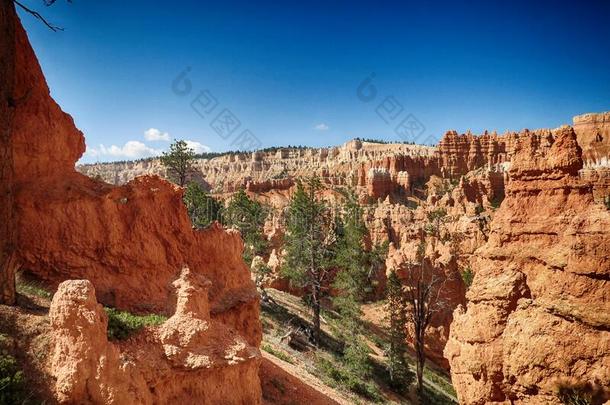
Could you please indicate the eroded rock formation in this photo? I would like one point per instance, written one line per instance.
(129, 243)
(121, 239)
(7, 91)
(538, 308)
(190, 358)
(593, 135)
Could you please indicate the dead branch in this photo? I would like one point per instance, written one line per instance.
(36, 14)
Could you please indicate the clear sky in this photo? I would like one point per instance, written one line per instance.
(290, 73)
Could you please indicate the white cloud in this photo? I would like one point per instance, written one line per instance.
(131, 150)
(153, 134)
(197, 147)
(321, 127)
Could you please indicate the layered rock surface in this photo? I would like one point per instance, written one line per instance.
(538, 308)
(7, 87)
(129, 243)
(593, 135)
(190, 358)
(122, 239)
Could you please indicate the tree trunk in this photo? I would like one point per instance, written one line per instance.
(421, 360)
(420, 374)
(316, 314)
(7, 77)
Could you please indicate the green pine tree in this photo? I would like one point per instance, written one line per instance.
(351, 283)
(202, 208)
(248, 216)
(400, 374)
(178, 161)
(308, 245)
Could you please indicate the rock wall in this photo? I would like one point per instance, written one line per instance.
(129, 242)
(7, 97)
(190, 358)
(593, 134)
(539, 307)
(346, 165)
(459, 154)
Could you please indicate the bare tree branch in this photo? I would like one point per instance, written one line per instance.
(36, 14)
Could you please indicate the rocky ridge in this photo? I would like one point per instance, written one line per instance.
(129, 243)
(538, 308)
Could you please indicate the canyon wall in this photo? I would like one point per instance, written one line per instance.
(538, 309)
(130, 243)
(376, 169)
(7, 97)
(593, 134)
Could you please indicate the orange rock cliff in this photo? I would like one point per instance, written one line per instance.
(127, 246)
(538, 309)
(528, 208)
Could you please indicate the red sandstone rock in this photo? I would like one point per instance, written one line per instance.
(7, 95)
(130, 243)
(538, 308)
(379, 183)
(593, 135)
(459, 154)
(190, 358)
(119, 238)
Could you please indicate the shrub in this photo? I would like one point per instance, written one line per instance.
(574, 392)
(607, 202)
(345, 377)
(123, 324)
(12, 382)
(279, 354)
(467, 277)
(31, 289)
(202, 208)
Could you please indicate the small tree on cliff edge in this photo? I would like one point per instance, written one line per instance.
(307, 246)
(178, 161)
(248, 216)
(201, 206)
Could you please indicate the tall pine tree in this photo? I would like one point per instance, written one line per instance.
(400, 374)
(308, 245)
(178, 161)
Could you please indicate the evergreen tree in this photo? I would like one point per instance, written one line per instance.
(308, 245)
(356, 267)
(351, 282)
(202, 208)
(178, 161)
(400, 374)
(248, 216)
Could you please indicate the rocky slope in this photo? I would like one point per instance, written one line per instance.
(538, 308)
(130, 244)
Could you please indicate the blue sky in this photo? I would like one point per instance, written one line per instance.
(290, 73)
